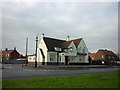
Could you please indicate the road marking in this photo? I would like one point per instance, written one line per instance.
(9, 66)
(28, 70)
(44, 70)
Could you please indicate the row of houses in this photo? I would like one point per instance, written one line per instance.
(51, 51)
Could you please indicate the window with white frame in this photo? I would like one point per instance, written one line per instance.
(52, 57)
(71, 49)
(57, 49)
(66, 50)
(83, 50)
(29, 58)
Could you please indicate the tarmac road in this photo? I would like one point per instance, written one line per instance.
(17, 71)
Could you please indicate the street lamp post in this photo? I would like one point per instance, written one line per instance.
(36, 52)
(26, 51)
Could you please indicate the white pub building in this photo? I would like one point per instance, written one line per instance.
(51, 51)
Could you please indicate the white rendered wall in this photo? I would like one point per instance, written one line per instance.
(42, 46)
(31, 58)
(83, 46)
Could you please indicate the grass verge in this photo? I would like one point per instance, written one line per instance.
(102, 80)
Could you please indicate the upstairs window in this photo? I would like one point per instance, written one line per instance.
(71, 48)
(66, 50)
(83, 50)
(57, 49)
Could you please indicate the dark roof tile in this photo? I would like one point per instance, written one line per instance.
(51, 43)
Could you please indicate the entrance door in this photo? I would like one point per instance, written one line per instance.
(43, 62)
(66, 60)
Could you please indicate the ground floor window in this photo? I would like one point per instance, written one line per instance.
(72, 59)
(81, 58)
(52, 57)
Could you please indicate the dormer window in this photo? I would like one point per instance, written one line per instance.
(66, 50)
(71, 49)
(57, 49)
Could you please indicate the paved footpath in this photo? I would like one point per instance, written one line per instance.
(17, 71)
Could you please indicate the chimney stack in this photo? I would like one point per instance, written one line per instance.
(14, 48)
(42, 35)
(6, 49)
(68, 38)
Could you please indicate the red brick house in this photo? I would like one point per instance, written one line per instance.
(103, 56)
(9, 54)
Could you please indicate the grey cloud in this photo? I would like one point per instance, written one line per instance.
(95, 22)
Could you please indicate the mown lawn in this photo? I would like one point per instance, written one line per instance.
(103, 80)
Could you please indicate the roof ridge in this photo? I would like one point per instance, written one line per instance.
(8, 50)
(76, 39)
(106, 50)
(54, 39)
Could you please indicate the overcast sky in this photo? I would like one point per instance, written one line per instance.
(95, 22)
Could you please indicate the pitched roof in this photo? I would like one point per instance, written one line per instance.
(6, 52)
(92, 55)
(107, 52)
(51, 43)
(77, 41)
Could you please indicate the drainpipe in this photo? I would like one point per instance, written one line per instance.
(57, 58)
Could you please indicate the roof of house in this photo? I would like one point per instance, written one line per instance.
(77, 41)
(92, 55)
(107, 52)
(7, 52)
(51, 43)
